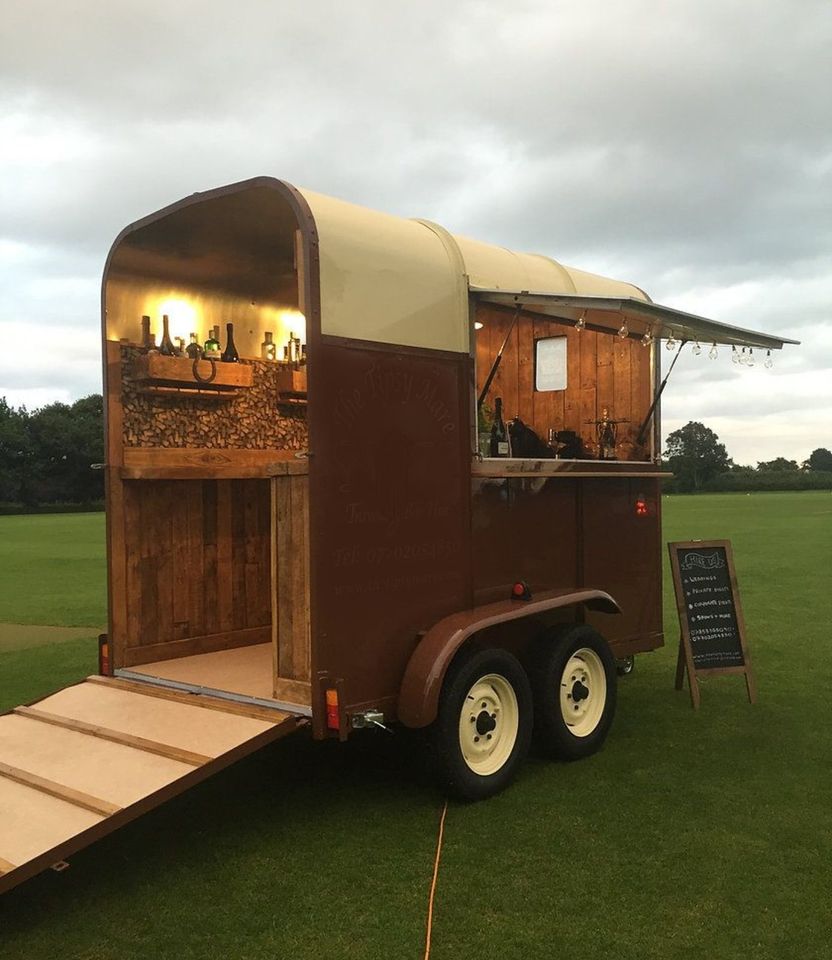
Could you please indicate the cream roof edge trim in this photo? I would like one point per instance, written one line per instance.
(640, 315)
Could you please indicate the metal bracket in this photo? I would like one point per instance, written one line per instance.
(368, 719)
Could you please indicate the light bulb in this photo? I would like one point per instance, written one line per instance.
(697, 349)
(624, 332)
(713, 353)
(735, 357)
(743, 357)
(647, 339)
(749, 362)
(768, 363)
(580, 323)
(671, 342)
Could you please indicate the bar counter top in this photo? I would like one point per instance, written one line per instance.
(502, 468)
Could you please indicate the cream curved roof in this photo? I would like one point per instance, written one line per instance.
(389, 279)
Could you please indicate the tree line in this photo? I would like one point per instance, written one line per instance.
(699, 462)
(46, 458)
(46, 455)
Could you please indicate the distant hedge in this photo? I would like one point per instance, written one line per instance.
(754, 480)
(10, 509)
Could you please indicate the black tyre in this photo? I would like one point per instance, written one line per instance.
(573, 677)
(484, 726)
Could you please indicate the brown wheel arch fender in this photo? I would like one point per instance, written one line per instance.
(422, 682)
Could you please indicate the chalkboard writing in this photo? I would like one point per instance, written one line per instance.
(709, 607)
(710, 614)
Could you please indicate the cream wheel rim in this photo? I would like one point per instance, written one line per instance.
(488, 724)
(583, 692)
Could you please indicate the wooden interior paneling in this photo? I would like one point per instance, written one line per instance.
(602, 371)
(197, 567)
(290, 552)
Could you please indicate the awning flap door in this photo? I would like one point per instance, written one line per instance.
(84, 761)
(607, 314)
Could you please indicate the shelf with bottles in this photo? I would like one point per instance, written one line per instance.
(291, 373)
(160, 374)
(291, 383)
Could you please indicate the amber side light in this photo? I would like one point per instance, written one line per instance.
(104, 656)
(332, 712)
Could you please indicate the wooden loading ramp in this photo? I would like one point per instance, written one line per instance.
(88, 759)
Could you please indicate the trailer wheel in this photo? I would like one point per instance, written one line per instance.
(484, 725)
(574, 687)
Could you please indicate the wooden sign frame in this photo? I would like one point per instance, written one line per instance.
(685, 658)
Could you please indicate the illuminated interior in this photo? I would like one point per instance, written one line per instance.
(584, 394)
(226, 259)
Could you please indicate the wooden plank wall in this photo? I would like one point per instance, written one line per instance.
(197, 566)
(602, 371)
(290, 579)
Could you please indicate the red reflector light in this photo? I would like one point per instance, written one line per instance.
(641, 507)
(333, 719)
(521, 591)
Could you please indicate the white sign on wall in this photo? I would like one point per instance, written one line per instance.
(550, 364)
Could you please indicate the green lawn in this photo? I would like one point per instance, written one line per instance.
(690, 835)
(52, 569)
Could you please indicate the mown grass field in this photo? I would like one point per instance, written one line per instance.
(690, 835)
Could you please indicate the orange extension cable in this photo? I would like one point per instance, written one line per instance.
(433, 882)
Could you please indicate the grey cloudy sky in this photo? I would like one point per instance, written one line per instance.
(685, 146)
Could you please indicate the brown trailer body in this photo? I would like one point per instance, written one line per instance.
(328, 517)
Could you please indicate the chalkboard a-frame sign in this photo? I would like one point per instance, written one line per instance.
(712, 639)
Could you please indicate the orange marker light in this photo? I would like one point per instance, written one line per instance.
(104, 656)
(333, 719)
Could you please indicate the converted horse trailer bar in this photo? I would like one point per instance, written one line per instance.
(326, 541)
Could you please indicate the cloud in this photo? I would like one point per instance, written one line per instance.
(685, 147)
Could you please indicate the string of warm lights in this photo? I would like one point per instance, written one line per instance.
(745, 357)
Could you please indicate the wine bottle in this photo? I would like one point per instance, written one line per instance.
(268, 348)
(211, 350)
(180, 347)
(166, 347)
(148, 340)
(193, 350)
(230, 355)
(499, 434)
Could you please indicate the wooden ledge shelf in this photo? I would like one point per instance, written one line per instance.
(186, 463)
(291, 384)
(500, 468)
(175, 375)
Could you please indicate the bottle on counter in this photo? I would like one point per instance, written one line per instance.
(148, 340)
(180, 347)
(499, 435)
(211, 350)
(230, 355)
(268, 348)
(193, 350)
(166, 347)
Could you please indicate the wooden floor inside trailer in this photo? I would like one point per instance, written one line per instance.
(242, 671)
